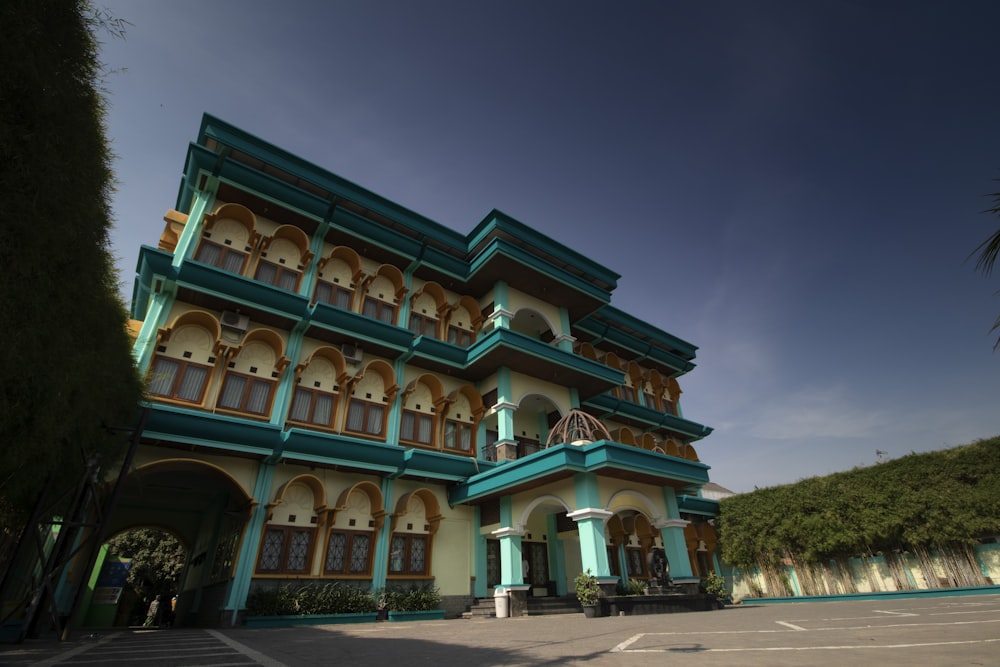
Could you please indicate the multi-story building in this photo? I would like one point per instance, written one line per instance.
(342, 389)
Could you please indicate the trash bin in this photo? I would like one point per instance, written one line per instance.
(501, 601)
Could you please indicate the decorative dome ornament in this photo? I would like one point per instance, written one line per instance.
(577, 428)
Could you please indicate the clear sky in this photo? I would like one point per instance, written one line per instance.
(794, 187)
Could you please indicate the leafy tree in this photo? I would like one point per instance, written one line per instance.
(157, 560)
(66, 371)
(946, 499)
(988, 251)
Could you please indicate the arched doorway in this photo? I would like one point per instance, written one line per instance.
(206, 508)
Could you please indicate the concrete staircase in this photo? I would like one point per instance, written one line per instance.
(486, 608)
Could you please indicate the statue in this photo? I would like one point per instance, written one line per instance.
(659, 567)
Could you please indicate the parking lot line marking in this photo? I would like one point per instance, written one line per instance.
(76, 651)
(254, 655)
(845, 647)
(894, 613)
(791, 625)
(628, 642)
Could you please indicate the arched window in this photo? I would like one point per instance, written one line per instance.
(414, 525)
(337, 277)
(463, 321)
(184, 360)
(418, 423)
(251, 377)
(287, 543)
(228, 238)
(423, 315)
(368, 406)
(384, 289)
(317, 390)
(351, 544)
(461, 424)
(283, 257)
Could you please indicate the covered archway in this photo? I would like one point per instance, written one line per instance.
(207, 508)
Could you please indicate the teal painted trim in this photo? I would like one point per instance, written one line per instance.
(153, 264)
(590, 458)
(335, 449)
(608, 404)
(365, 330)
(698, 505)
(574, 398)
(243, 575)
(478, 554)
(610, 321)
(440, 353)
(501, 301)
(496, 222)
(229, 135)
(238, 289)
(498, 248)
(206, 429)
(380, 562)
(500, 340)
(199, 160)
(191, 232)
(309, 619)
(882, 595)
(424, 615)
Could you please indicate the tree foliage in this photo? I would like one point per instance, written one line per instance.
(157, 560)
(988, 251)
(66, 370)
(949, 497)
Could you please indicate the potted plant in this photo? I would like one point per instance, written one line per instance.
(588, 592)
(715, 586)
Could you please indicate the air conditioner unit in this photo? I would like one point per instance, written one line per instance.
(352, 353)
(231, 320)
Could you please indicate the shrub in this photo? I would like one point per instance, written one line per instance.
(587, 588)
(412, 599)
(299, 600)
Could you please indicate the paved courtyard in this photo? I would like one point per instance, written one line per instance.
(915, 632)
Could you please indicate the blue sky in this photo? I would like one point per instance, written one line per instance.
(794, 187)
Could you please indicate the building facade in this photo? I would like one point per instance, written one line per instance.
(341, 389)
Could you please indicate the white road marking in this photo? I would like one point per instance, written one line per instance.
(254, 655)
(894, 613)
(76, 651)
(845, 647)
(791, 625)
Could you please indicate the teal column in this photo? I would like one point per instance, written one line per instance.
(478, 554)
(557, 555)
(590, 520)
(510, 545)
(380, 565)
(506, 444)
(203, 201)
(286, 386)
(396, 409)
(239, 586)
(623, 561)
(501, 315)
(308, 282)
(672, 534)
(574, 398)
(564, 341)
(155, 317)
